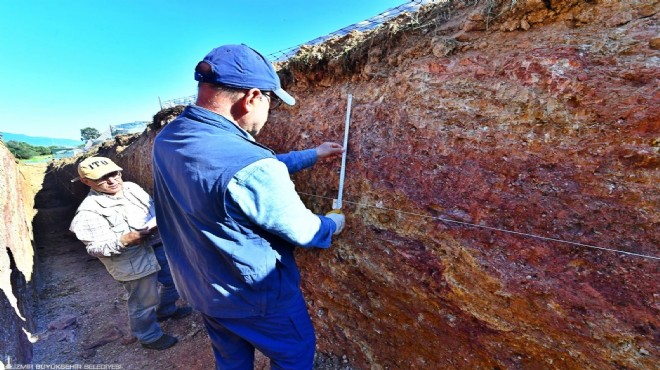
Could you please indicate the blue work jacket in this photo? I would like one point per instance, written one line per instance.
(222, 267)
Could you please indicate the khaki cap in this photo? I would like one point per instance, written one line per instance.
(96, 167)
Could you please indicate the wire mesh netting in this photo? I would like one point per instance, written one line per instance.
(366, 25)
(178, 101)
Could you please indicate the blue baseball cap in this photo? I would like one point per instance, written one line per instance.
(242, 67)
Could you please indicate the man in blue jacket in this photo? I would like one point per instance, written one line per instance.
(230, 217)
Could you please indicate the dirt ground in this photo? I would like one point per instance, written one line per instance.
(81, 312)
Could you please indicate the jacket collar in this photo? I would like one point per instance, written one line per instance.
(205, 116)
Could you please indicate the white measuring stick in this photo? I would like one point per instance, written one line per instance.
(337, 202)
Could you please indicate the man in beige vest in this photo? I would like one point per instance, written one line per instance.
(116, 222)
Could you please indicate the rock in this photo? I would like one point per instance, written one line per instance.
(104, 336)
(66, 336)
(654, 43)
(128, 340)
(62, 322)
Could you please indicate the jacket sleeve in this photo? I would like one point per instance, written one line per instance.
(298, 160)
(94, 231)
(264, 194)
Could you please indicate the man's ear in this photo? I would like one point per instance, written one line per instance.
(86, 181)
(245, 105)
(250, 100)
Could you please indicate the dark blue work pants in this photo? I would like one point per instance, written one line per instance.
(167, 292)
(287, 338)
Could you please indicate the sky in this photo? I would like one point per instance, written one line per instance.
(66, 65)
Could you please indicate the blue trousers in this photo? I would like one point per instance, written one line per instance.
(142, 302)
(287, 338)
(146, 302)
(168, 293)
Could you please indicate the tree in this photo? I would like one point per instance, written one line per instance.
(21, 150)
(43, 150)
(89, 133)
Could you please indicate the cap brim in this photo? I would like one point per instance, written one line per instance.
(110, 170)
(285, 97)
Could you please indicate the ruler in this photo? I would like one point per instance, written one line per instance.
(336, 203)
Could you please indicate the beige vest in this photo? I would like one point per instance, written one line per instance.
(136, 261)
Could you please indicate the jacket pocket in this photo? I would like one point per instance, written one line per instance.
(133, 263)
(255, 262)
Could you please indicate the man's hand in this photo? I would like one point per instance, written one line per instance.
(338, 218)
(134, 237)
(329, 149)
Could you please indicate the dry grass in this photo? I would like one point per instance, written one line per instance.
(346, 55)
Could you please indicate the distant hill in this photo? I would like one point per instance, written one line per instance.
(39, 140)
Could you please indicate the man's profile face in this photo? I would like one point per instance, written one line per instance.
(111, 183)
(262, 114)
(257, 115)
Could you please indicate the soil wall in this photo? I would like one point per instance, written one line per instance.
(16, 263)
(537, 117)
(501, 190)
